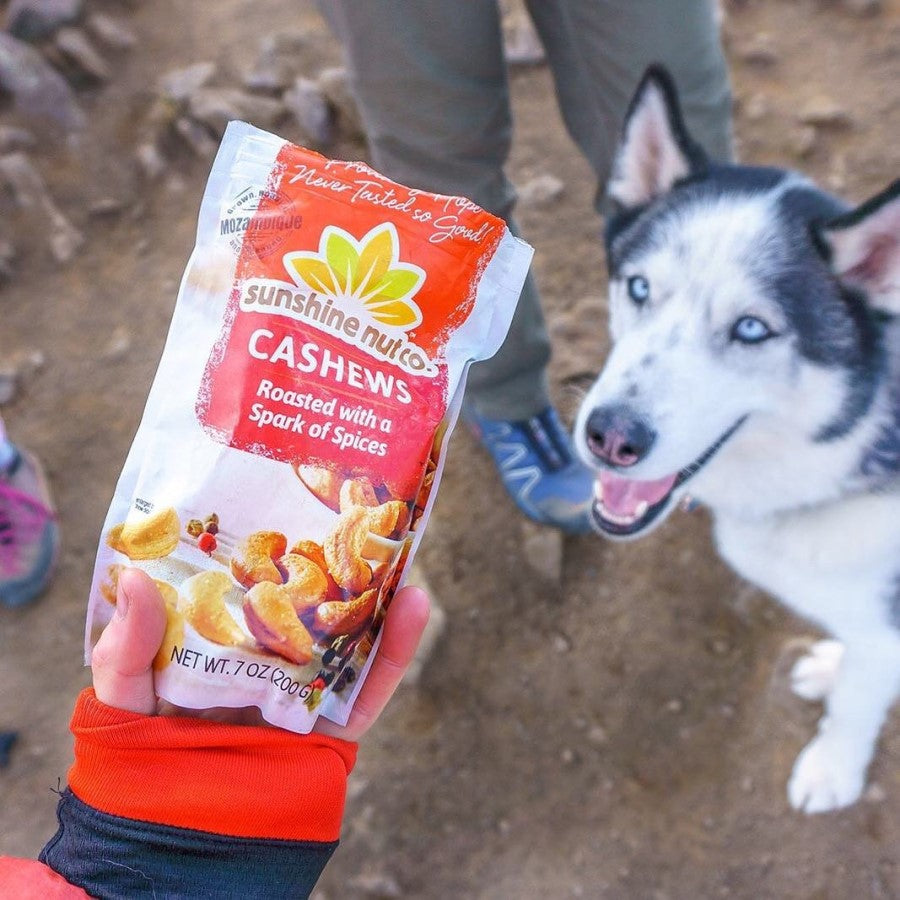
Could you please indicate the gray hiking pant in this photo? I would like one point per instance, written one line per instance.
(431, 81)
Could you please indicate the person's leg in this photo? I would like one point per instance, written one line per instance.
(28, 530)
(598, 51)
(430, 78)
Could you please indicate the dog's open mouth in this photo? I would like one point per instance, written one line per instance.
(625, 506)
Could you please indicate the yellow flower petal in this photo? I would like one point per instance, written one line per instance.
(398, 283)
(315, 273)
(343, 260)
(374, 260)
(394, 312)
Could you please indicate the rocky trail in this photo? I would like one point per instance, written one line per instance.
(595, 720)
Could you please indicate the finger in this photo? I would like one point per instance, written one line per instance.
(403, 627)
(122, 660)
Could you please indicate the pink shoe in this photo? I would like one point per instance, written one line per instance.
(29, 535)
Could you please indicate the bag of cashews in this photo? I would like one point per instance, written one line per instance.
(292, 441)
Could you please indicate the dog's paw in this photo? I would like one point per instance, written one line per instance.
(814, 675)
(825, 777)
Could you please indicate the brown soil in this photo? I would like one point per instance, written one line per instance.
(625, 733)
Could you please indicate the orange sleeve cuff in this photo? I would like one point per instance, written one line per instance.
(236, 780)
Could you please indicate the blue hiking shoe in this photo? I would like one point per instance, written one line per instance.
(538, 467)
(28, 531)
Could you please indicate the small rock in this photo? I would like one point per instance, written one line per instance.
(335, 85)
(8, 386)
(180, 84)
(803, 141)
(757, 107)
(30, 193)
(568, 756)
(33, 20)
(36, 87)
(65, 243)
(105, 207)
(16, 370)
(598, 736)
(216, 107)
(759, 51)
(562, 643)
(824, 112)
(310, 108)
(111, 32)
(75, 46)
(12, 139)
(380, 886)
(747, 785)
(521, 44)
(542, 549)
(26, 363)
(675, 706)
(541, 191)
(837, 177)
(23, 181)
(356, 787)
(158, 121)
(278, 62)
(196, 137)
(875, 793)
(150, 161)
(720, 647)
(118, 345)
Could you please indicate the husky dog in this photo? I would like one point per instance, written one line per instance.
(755, 323)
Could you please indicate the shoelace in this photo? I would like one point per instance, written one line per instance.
(22, 519)
(545, 431)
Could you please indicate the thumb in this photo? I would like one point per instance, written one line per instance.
(122, 660)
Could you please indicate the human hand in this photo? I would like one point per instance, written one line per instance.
(123, 657)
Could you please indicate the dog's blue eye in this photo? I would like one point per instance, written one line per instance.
(750, 330)
(639, 289)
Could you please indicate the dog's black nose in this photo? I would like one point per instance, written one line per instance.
(618, 436)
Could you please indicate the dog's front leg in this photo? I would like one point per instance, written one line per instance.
(831, 771)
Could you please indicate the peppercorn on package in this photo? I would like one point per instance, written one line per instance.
(290, 448)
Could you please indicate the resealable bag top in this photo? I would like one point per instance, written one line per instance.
(283, 471)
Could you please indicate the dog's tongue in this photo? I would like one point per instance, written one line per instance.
(621, 496)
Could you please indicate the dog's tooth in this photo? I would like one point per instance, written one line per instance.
(641, 509)
(598, 489)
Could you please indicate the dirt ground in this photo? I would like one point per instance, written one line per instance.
(623, 732)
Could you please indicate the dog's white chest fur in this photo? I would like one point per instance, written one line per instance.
(832, 564)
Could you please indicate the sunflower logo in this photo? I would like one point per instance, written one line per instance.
(367, 271)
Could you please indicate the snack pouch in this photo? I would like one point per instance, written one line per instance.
(286, 462)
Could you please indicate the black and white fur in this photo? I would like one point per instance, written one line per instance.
(756, 364)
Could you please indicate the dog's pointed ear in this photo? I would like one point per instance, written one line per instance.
(655, 149)
(863, 248)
